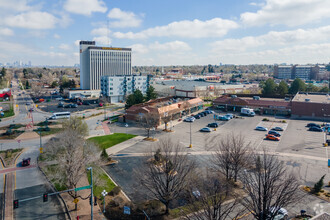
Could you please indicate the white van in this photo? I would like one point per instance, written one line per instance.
(60, 115)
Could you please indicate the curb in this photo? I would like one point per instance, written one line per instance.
(54, 190)
(2, 163)
(3, 203)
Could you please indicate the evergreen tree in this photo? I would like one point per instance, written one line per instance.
(151, 94)
(3, 72)
(296, 86)
(27, 84)
(138, 96)
(269, 87)
(318, 186)
(130, 100)
(282, 88)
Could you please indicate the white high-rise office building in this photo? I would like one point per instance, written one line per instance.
(96, 62)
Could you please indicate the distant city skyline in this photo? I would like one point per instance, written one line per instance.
(184, 32)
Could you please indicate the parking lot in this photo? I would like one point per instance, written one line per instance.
(52, 106)
(301, 150)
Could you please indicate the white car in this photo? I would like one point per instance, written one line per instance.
(260, 128)
(282, 213)
(189, 119)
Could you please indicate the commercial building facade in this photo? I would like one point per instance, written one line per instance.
(96, 62)
(115, 88)
(164, 107)
(311, 106)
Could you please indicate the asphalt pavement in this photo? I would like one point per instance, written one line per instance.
(36, 208)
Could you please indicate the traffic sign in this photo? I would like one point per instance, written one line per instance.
(82, 188)
(41, 150)
(127, 210)
(36, 106)
(76, 200)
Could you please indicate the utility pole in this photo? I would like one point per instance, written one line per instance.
(92, 197)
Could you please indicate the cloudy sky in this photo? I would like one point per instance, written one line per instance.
(171, 32)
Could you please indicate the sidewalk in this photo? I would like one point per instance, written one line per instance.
(119, 147)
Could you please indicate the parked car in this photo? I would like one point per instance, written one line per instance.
(205, 129)
(60, 105)
(275, 133)
(26, 162)
(202, 114)
(313, 125)
(230, 116)
(197, 116)
(100, 104)
(74, 106)
(315, 129)
(213, 125)
(67, 106)
(189, 119)
(272, 137)
(79, 103)
(277, 129)
(86, 103)
(28, 103)
(260, 128)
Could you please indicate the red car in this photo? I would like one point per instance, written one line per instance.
(100, 104)
(272, 137)
(26, 162)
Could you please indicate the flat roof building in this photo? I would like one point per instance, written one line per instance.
(96, 62)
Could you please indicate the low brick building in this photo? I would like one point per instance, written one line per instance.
(312, 106)
(268, 106)
(164, 107)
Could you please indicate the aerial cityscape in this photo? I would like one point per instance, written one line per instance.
(165, 110)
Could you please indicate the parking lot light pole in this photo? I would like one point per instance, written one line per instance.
(190, 145)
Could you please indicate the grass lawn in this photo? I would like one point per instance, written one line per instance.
(107, 141)
(9, 113)
(105, 183)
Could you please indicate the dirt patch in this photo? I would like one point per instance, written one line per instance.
(27, 135)
(150, 139)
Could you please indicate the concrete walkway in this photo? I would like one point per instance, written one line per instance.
(9, 193)
(119, 147)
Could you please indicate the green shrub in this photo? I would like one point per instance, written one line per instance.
(115, 191)
(283, 121)
(265, 119)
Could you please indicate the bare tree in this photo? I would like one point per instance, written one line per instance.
(76, 124)
(232, 155)
(36, 90)
(166, 175)
(149, 121)
(211, 198)
(268, 186)
(70, 154)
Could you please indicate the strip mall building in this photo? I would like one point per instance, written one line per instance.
(313, 106)
(163, 107)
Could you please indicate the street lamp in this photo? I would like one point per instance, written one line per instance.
(190, 145)
(104, 193)
(91, 173)
(126, 125)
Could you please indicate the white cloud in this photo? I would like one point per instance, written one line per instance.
(170, 46)
(85, 7)
(6, 32)
(274, 39)
(64, 47)
(215, 27)
(56, 36)
(100, 31)
(76, 43)
(124, 18)
(288, 12)
(31, 20)
(15, 5)
(102, 40)
(139, 48)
